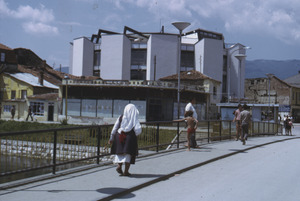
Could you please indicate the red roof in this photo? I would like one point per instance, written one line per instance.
(187, 75)
(48, 96)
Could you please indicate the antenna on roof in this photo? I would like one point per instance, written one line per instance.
(162, 29)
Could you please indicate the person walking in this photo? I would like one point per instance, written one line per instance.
(191, 129)
(29, 114)
(13, 112)
(124, 139)
(288, 126)
(237, 120)
(190, 107)
(245, 120)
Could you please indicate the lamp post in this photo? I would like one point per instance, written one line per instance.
(66, 98)
(269, 75)
(239, 56)
(180, 26)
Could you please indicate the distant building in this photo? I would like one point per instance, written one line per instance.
(133, 55)
(294, 80)
(102, 101)
(274, 91)
(27, 81)
(20, 92)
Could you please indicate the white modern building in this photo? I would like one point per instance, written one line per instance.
(131, 65)
(134, 55)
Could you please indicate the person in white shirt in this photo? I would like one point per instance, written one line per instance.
(237, 120)
(246, 122)
(190, 107)
(123, 139)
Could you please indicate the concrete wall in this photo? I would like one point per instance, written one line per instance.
(165, 48)
(209, 58)
(115, 57)
(83, 54)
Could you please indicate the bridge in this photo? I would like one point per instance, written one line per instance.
(266, 168)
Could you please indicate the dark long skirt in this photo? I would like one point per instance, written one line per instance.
(130, 146)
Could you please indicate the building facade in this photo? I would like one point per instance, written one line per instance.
(134, 55)
(21, 91)
(274, 91)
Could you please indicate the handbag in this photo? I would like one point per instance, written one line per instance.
(122, 137)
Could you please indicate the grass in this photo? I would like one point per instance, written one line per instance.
(13, 126)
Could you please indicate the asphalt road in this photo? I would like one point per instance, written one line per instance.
(266, 173)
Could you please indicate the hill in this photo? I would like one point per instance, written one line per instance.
(281, 69)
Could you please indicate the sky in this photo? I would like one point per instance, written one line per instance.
(270, 27)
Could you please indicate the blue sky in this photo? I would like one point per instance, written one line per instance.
(270, 27)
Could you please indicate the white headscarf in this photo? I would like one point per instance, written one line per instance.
(130, 120)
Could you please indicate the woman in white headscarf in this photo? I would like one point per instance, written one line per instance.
(124, 140)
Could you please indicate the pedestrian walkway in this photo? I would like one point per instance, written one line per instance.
(104, 183)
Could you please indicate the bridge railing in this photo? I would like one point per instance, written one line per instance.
(52, 150)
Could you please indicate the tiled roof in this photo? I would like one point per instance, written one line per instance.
(4, 47)
(48, 96)
(29, 62)
(188, 75)
(294, 80)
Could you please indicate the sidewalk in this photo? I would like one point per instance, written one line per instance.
(105, 183)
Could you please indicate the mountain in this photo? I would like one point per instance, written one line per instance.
(281, 69)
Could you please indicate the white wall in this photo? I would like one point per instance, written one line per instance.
(165, 47)
(115, 57)
(82, 61)
(213, 58)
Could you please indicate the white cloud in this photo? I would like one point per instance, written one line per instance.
(37, 28)
(27, 12)
(37, 19)
(275, 18)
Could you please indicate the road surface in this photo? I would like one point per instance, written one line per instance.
(266, 173)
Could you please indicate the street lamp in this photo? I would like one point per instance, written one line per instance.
(180, 26)
(66, 98)
(269, 75)
(240, 57)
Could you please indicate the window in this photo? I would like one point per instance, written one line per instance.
(37, 108)
(2, 58)
(97, 63)
(23, 94)
(138, 72)
(214, 91)
(187, 61)
(97, 56)
(6, 108)
(13, 94)
(138, 61)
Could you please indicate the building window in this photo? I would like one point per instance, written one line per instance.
(187, 58)
(37, 108)
(13, 94)
(97, 56)
(23, 94)
(138, 61)
(97, 63)
(215, 92)
(2, 58)
(7, 108)
(138, 72)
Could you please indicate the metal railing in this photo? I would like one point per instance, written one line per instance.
(58, 149)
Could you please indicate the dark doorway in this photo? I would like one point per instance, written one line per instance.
(50, 111)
